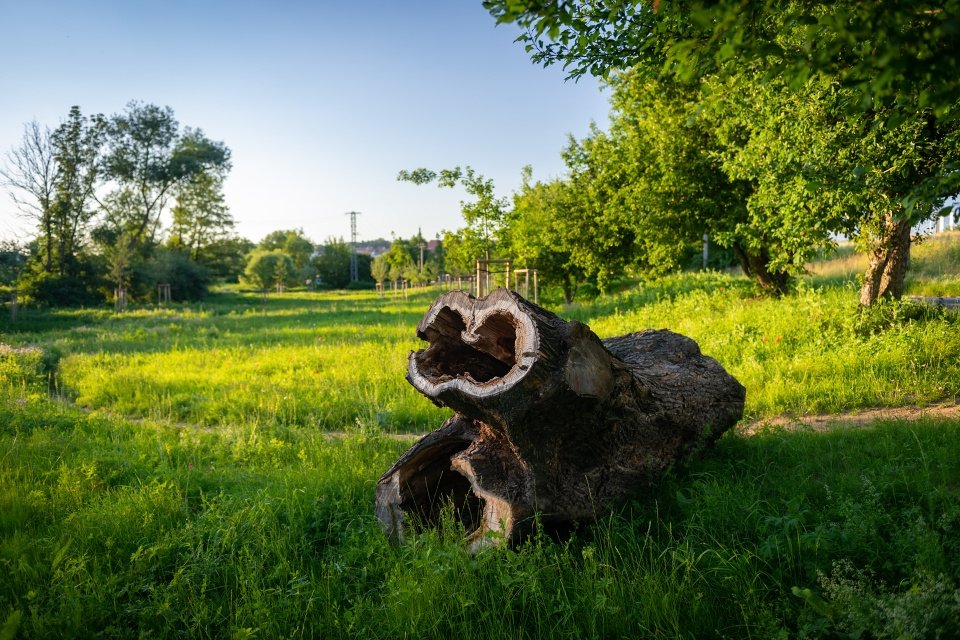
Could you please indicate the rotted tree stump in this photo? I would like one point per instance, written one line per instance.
(550, 420)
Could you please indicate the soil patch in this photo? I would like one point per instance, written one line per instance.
(861, 418)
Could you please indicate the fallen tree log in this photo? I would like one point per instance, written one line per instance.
(551, 422)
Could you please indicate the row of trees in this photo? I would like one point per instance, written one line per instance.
(770, 126)
(134, 200)
(287, 258)
(97, 188)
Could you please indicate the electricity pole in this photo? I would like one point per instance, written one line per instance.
(354, 273)
(421, 245)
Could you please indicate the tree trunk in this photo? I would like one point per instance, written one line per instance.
(756, 266)
(889, 260)
(569, 287)
(550, 420)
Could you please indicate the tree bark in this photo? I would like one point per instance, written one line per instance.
(756, 266)
(551, 422)
(887, 269)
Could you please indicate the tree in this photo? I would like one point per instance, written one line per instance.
(29, 174)
(400, 260)
(200, 215)
(789, 149)
(459, 258)
(333, 263)
(380, 269)
(76, 145)
(120, 261)
(893, 63)
(268, 268)
(537, 232)
(903, 177)
(226, 257)
(13, 260)
(296, 245)
(146, 157)
(483, 216)
(51, 177)
(897, 53)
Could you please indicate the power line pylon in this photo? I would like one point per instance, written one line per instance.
(354, 272)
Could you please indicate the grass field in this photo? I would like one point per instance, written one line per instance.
(170, 473)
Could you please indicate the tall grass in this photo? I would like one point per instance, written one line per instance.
(811, 352)
(320, 360)
(934, 265)
(118, 529)
(326, 361)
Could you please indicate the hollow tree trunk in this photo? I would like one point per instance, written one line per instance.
(888, 264)
(550, 420)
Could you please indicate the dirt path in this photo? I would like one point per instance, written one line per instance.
(859, 418)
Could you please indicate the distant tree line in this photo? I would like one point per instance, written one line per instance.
(134, 200)
(288, 258)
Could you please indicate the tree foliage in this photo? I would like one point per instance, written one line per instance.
(774, 124)
(484, 215)
(13, 260)
(268, 268)
(200, 215)
(29, 175)
(295, 244)
(333, 263)
(226, 257)
(147, 156)
(896, 53)
(97, 187)
(539, 227)
(380, 269)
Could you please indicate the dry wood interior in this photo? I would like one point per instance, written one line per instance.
(491, 352)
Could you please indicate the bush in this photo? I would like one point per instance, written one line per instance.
(188, 280)
(265, 268)
(62, 291)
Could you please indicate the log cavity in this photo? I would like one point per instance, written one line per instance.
(489, 352)
(429, 487)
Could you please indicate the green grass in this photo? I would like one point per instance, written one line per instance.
(330, 360)
(810, 352)
(320, 360)
(117, 529)
(194, 491)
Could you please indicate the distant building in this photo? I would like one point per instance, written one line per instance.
(373, 248)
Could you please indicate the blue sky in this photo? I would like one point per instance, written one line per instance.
(321, 103)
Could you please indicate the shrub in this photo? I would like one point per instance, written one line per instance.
(188, 280)
(63, 291)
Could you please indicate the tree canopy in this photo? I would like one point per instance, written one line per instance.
(97, 188)
(896, 52)
(771, 126)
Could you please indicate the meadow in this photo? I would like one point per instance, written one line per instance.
(208, 471)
